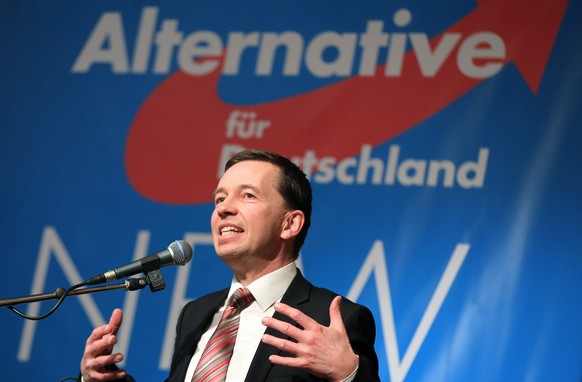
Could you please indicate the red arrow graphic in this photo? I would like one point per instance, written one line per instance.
(175, 141)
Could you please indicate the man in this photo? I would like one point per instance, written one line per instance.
(291, 331)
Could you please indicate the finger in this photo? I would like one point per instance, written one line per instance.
(287, 361)
(282, 344)
(98, 364)
(110, 328)
(105, 372)
(99, 334)
(105, 361)
(104, 346)
(104, 376)
(115, 320)
(283, 327)
(296, 315)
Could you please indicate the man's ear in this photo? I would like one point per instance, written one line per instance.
(292, 224)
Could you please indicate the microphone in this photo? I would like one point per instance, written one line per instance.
(179, 253)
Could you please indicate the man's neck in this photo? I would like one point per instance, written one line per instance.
(248, 273)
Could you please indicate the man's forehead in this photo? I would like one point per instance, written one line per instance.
(249, 168)
(249, 173)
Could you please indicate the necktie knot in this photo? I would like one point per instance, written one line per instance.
(214, 361)
(241, 298)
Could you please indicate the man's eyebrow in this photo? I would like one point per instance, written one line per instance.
(239, 187)
(254, 188)
(217, 191)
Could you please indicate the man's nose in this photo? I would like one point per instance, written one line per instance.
(226, 207)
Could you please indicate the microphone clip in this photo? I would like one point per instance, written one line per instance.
(151, 267)
(156, 280)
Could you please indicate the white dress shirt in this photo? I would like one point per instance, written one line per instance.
(267, 290)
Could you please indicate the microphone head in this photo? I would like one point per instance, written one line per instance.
(181, 252)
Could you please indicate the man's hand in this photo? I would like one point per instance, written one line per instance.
(322, 351)
(97, 363)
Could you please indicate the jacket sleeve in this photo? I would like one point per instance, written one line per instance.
(361, 329)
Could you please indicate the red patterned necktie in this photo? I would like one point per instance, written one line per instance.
(214, 362)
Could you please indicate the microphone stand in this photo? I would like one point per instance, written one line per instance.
(154, 279)
(128, 285)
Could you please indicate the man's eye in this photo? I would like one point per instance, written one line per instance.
(219, 200)
(248, 195)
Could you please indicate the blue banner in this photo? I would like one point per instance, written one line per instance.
(442, 141)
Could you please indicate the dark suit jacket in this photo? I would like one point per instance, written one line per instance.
(302, 295)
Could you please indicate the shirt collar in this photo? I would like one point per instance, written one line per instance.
(270, 288)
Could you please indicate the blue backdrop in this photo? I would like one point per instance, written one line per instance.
(442, 140)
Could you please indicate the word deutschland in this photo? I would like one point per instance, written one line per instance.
(160, 46)
(366, 169)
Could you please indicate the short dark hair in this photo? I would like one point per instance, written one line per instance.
(293, 185)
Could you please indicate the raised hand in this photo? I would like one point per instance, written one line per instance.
(323, 351)
(98, 363)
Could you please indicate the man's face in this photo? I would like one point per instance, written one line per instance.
(249, 212)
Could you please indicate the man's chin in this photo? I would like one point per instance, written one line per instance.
(229, 255)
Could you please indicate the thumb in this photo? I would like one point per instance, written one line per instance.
(115, 320)
(335, 315)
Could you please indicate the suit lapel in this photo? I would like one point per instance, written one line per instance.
(296, 294)
(200, 320)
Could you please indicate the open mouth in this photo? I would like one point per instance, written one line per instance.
(225, 231)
